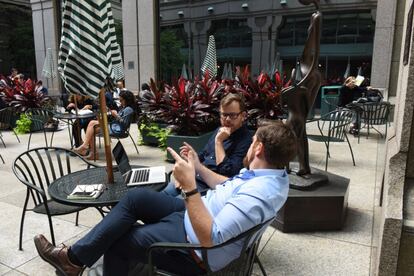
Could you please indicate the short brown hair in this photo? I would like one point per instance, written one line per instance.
(233, 97)
(279, 143)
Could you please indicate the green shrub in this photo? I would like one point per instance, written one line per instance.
(156, 131)
(23, 124)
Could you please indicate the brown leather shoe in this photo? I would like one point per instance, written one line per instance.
(56, 256)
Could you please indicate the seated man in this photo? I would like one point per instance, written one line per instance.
(227, 146)
(234, 206)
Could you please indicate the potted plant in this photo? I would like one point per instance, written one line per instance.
(150, 122)
(22, 97)
(263, 95)
(189, 110)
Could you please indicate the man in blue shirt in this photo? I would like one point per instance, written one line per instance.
(230, 208)
(227, 146)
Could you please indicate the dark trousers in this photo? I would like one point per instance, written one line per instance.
(123, 242)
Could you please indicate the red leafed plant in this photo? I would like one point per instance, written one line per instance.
(262, 95)
(22, 96)
(191, 107)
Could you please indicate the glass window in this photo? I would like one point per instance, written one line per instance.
(347, 28)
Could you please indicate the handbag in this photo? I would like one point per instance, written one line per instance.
(116, 127)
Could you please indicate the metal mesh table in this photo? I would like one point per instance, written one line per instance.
(62, 187)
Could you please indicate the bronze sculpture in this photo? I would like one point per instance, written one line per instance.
(301, 95)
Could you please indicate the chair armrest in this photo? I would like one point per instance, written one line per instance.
(169, 246)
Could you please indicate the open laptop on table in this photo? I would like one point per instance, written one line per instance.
(138, 176)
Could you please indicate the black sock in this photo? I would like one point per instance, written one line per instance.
(73, 259)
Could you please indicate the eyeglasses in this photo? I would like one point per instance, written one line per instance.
(231, 115)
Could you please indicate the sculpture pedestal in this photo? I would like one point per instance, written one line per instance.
(322, 208)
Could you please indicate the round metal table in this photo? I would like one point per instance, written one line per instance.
(62, 187)
(69, 118)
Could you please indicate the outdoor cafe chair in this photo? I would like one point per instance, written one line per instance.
(120, 136)
(339, 121)
(6, 116)
(375, 114)
(37, 169)
(243, 265)
(39, 118)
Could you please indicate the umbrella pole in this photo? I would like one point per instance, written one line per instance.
(105, 131)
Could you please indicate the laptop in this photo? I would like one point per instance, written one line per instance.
(137, 176)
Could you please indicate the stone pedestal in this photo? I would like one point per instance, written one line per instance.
(323, 208)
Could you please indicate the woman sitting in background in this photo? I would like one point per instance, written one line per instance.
(118, 126)
(350, 92)
(82, 103)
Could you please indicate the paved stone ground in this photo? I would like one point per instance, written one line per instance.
(346, 252)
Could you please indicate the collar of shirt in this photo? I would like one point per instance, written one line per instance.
(247, 174)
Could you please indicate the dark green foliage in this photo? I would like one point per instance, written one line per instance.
(171, 58)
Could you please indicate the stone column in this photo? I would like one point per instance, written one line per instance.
(261, 45)
(390, 217)
(200, 42)
(139, 35)
(45, 36)
(383, 45)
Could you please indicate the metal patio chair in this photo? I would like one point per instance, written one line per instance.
(375, 114)
(39, 118)
(6, 116)
(243, 265)
(37, 169)
(339, 121)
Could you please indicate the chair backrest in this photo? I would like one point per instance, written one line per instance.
(248, 242)
(375, 113)
(6, 116)
(39, 167)
(39, 117)
(339, 120)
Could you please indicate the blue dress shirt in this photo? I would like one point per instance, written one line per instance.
(238, 204)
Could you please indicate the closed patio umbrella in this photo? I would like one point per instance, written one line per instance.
(210, 60)
(49, 67)
(89, 55)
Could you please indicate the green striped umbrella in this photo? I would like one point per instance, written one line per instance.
(89, 55)
(210, 61)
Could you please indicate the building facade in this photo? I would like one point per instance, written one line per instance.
(254, 32)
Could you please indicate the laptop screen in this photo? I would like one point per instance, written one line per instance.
(121, 158)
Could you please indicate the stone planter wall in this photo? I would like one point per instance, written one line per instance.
(197, 142)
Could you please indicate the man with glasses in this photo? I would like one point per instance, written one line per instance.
(227, 146)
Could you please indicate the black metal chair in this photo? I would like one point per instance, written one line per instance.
(37, 169)
(39, 118)
(339, 121)
(7, 115)
(243, 265)
(122, 135)
(375, 114)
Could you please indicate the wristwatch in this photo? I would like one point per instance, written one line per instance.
(186, 195)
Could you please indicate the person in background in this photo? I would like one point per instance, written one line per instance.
(348, 93)
(227, 146)
(13, 74)
(39, 88)
(119, 124)
(83, 103)
(117, 91)
(233, 206)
